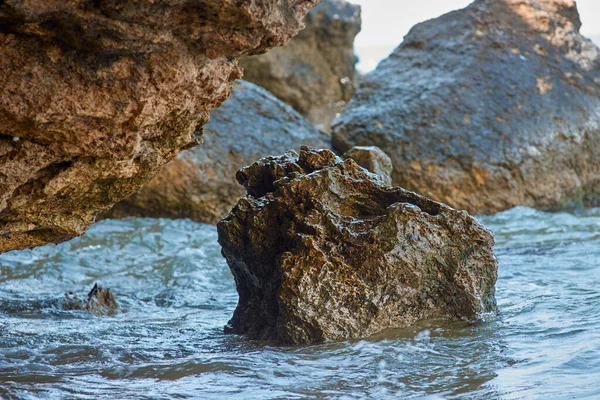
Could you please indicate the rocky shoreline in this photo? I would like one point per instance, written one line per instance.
(103, 105)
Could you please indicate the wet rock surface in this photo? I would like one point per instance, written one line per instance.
(200, 183)
(100, 302)
(96, 96)
(486, 108)
(373, 159)
(314, 72)
(321, 249)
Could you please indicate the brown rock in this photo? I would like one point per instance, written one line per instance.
(314, 72)
(96, 96)
(100, 302)
(486, 108)
(373, 159)
(321, 250)
(200, 183)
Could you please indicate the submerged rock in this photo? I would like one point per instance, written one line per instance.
(100, 301)
(373, 159)
(314, 72)
(95, 96)
(200, 183)
(487, 108)
(321, 249)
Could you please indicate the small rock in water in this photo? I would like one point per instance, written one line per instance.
(100, 301)
(321, 249)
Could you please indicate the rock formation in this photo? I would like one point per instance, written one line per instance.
(486, 108)
(200, 183)
(321, 249)
(373, 159)
(96, 96)
(314, 72)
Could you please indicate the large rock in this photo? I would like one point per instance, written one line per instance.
(314, 72)
(200, 183)
(322, 249)
(95, 96)
(488, 107)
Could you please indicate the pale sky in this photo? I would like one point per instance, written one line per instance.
(385, 22)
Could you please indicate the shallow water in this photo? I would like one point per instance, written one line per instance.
(176, 294)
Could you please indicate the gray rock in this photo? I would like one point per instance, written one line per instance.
(486, 108)
(314, 72)
(323, 250)
(200, 183)
(373, 159)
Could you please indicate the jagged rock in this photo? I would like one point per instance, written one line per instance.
(373, 159)
(96, 96)
(321, 249)
(200, 183)
(486, 108)
(314, 72)
(100, 302)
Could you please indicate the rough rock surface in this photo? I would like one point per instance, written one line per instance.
(314, 72)
(95, 96)
(488, 107)
(100, 301)
(373, 159)
(321, 249)
(200, 183)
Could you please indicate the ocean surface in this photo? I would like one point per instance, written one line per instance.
(176, 294)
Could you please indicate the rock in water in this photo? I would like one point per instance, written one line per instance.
(100, 302)
(95, 96)
(321, 249)
(200, 183)
(487, 108)
(372, 159)
(314, 72)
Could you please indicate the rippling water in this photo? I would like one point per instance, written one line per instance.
(176, 294)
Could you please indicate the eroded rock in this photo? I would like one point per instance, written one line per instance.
(100, 302)
(96, 96)
(487, 108)
(321, 249)
(200, 183)
(314, 72)
(373, 159)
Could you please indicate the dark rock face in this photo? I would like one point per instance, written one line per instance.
(200, 183)
(321, 249)
(486, 108)
(314, 72)
(373, 159)
(96, 96)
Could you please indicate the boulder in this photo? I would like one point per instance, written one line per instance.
(321, 249)
(95, 96)
(373, 159)
(314, 72)
(486, 108)
(200, 183)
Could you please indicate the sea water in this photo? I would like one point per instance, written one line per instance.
(176, 293)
